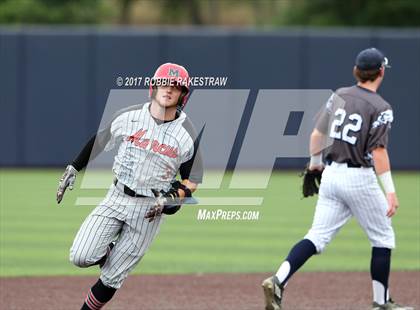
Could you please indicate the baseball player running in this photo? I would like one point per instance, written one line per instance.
(156, 140)
(359, 132)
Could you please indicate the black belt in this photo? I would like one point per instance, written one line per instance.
(128, 191)
(349, 164)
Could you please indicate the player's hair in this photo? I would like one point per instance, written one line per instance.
(366, 75)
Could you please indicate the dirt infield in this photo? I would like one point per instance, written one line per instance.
(329, 290)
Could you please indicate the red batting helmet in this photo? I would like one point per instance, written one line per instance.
(176, 75)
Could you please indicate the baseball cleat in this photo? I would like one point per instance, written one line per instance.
(390, 305)
(273, 292)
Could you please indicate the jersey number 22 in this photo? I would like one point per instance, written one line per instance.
(355, 125)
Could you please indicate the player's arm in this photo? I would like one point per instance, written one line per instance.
(316, 146)
(313, 172)
(105, 139)
(191, 171)
(170, 202)
(183, 189)
(377, 143)
(383, 171)
(318, 139)
(317, 142)
(190, 185)
(90, 150)
(191, 175)
(96, 144)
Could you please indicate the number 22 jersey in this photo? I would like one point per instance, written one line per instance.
(358, 121)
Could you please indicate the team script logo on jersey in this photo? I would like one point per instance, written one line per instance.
(156, 146)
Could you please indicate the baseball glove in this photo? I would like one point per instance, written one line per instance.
(311, 182)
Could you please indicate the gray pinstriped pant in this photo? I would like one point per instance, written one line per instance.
(347, 192)
(118, 217)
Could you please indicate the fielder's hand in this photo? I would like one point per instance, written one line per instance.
(67, 180)
(392, 204)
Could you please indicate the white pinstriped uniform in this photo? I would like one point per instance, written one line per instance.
(117, 216)
(140, 169)
(347, 192)
(357, 128)
(149, 157)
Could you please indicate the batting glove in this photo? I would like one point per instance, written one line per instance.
(164, 204)
(67, 180)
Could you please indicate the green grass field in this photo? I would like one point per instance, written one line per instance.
(35, 233)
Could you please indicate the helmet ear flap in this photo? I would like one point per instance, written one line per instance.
(181, 100)
(180, 104)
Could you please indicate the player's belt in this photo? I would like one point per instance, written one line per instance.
(128, 191)
(349, 164)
